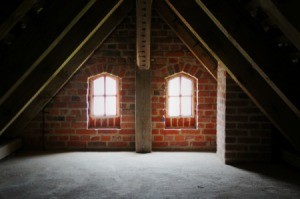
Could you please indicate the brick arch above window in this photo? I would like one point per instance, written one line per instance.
(97, 69)
(104, 101)
(181, 101)
(192, 71)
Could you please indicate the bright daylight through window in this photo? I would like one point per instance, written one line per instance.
(179, 97)
(104, 96)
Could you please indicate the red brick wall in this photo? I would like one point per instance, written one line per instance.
(170, 56)
(66, 115)
(248, 131)
(245, 134)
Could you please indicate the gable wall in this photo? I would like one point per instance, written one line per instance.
(65, 117)
(65, 125)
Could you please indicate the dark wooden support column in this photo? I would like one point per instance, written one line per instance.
(143, 125)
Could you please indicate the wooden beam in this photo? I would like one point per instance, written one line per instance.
(71, 67)
(15, 17)
(239, 65)
(37, 41)
(143, 115)
(143, 30)
(290, 9)
(9, 147)
(202, 55)
(281, 21)
(56, 60)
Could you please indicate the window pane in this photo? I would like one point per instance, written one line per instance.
(186, 106)
(186, 86)
(173, 106)
(99, 86)
(111, 105)
(98, 106)
(173, 87)
(111, 86)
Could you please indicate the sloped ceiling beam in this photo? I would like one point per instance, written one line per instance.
(143, 30)
(208, 29)
(37, 41)
(281, 21)
(14, 18)
(202, 55)
(63, 61)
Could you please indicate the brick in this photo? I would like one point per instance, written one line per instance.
(236, 147)
(155, 131)
(127, 125)
(157, 138)
(74, 138)
(127, 131)
(169, 138)
(108, 131)
(230, 140)
(95, 138)
(159, 125)
(64, 131)
(128, 138)
(209, 131)
(248, 140)
(198, 144)
(85, 138)
(105, 138)
(97, 144)
(117, 144)
(79, 144)
(199, 138)
(157, 119)
(78, 125)
(159, 144)
(85, 131)
(189, 131)
(180, 144)
(179, 138)
(63, 138)
(169, 132)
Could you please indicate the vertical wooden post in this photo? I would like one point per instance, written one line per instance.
(143, 31)
(143, 124)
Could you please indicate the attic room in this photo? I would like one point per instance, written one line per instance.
(149, 99)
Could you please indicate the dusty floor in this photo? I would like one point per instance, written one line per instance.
(130, 175)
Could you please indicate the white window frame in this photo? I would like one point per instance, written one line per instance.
(193, 103)
(92, 95)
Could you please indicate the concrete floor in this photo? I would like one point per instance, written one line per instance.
(130, 175)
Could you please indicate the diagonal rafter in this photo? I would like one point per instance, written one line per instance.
(63, 61)
(14, 18)
(242, 68)
(203, 56)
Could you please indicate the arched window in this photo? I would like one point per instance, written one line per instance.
(104, 96)
(180, 96)
(181, 101)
